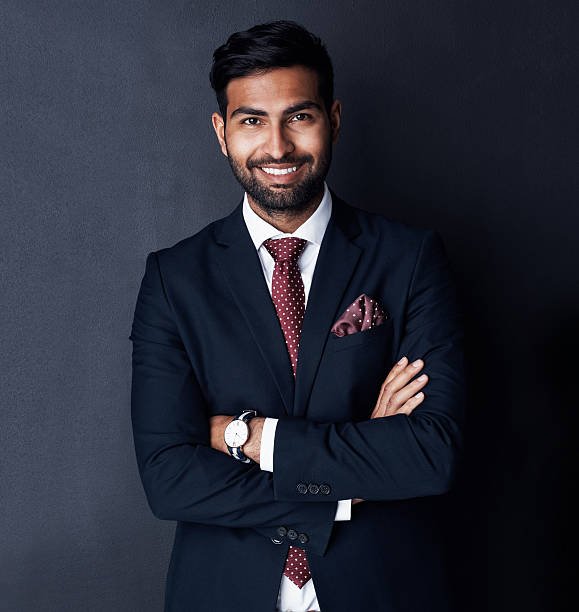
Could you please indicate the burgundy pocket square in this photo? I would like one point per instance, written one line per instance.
(362, 314)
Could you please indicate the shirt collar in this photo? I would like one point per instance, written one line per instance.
(312, 229)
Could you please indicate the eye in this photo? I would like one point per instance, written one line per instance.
(251, 121)
(301, 117)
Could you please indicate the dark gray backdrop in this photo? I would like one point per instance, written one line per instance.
(458, 115)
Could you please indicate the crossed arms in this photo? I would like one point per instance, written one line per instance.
(408, 453)
(400, 393)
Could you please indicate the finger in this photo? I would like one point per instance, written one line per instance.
(398, 367)
(411, 404)
(375, 412)
(395, 370)
(379, 411)
(398, 406)
(405, 375)
(398, 399)
(400, 379)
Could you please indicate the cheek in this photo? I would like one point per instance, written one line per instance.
(240, 148)
(314, 142)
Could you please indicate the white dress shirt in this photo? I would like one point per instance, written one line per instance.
(291, 598)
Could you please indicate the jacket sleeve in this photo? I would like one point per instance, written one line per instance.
(399, 456)
(183, 477)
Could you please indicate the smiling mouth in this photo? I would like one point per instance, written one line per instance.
(279, 171)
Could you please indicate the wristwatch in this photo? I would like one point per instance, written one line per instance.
(237, 433)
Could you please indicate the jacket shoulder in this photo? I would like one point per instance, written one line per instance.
(191, 247)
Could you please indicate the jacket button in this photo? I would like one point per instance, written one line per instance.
(313, 488)
(325, 489)
(281, 531)
(276, 540)
(303, 538)
(292, 534)
(302, 488)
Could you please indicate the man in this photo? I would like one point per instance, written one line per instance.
(279, 357)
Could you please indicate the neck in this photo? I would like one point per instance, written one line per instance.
(286, 221)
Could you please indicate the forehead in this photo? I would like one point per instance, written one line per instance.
(274, 90)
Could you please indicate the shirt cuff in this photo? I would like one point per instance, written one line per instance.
(267, 441)
(344, 510)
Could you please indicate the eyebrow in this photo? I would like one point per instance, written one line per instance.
(248, 110)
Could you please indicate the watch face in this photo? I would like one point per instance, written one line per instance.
(236, 434)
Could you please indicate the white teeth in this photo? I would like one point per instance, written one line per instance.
(279, 172)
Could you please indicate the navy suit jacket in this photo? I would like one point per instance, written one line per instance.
(206, 340)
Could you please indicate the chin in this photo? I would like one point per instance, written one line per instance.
(280, 197)
(284, 198)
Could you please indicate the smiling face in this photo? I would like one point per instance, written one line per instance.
(278, 137)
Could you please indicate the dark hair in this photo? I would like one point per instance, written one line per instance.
(277, 44)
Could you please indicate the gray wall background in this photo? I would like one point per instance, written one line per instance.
(458, 115)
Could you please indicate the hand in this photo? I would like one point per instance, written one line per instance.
(397, 394)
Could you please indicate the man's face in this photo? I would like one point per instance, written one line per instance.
(278, 137)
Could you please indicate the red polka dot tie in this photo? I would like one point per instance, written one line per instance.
(289, 298)
(287, 291)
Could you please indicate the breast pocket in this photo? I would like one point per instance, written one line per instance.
(380, 333)
(351, 372)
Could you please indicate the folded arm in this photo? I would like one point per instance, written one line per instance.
(183, 477)
(259, 448)
(399, 456)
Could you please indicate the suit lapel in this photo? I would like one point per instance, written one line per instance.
(242, 271)
(241, 268)
(335, 267)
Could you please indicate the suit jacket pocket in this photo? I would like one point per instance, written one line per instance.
(362, 338)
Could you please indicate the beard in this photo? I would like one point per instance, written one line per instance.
(284, 198)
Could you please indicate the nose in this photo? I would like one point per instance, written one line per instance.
(279, 142)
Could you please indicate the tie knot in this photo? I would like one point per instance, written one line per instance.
(283, 249)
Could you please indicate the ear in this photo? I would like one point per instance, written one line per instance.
(335, 119)
(219, 127)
